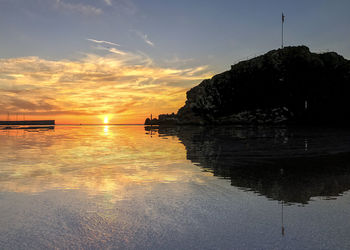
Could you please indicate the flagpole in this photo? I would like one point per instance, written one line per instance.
(282, 28)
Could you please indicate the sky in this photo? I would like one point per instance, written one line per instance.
(89, 61)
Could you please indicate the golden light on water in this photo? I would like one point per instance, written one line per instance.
(126, 158)
(106, 130)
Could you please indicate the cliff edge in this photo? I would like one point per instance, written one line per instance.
(289, 85)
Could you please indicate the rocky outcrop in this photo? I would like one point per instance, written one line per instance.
(165, 119)
(289, 85)
(152, 121)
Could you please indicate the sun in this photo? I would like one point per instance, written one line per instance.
(105, 120)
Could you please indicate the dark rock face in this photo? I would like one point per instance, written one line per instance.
(165, 119)
(290, 85)
(154, 121)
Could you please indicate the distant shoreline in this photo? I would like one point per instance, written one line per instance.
(98, 124)
(28, 122)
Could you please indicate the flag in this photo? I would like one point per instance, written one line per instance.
(282, 17)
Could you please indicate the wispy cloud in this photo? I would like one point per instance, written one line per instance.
(149, 42)
(102, 42)
(175, 61)
(127, 85)
(108, 2)
(144, 37)
(79, 7)
(117, 51)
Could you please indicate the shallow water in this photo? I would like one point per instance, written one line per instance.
(178, 188)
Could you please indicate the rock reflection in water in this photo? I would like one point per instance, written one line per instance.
(292, 165)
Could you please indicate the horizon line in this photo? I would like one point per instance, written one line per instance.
(104, 124)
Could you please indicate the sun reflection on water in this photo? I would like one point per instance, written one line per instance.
(82, 158)
(106, 129)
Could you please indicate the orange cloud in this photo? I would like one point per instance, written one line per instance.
(125, 85)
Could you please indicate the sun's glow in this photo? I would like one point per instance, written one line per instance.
(128, 86)
(105, 120)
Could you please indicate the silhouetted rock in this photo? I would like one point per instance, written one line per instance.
(289, 85)
(165, 119)
(148, 121)
(154, 121)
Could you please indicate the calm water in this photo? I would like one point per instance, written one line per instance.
(129, 187)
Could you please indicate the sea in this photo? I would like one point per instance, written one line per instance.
(136, 187)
